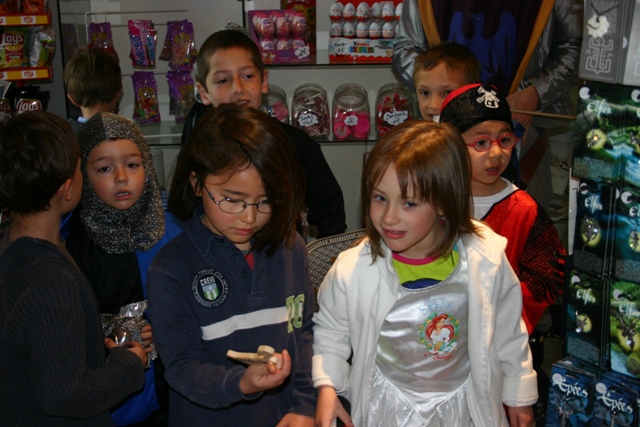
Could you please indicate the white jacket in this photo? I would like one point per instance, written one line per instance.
(356, 296)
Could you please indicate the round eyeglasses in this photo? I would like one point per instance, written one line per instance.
(483, 143)
(233, 206)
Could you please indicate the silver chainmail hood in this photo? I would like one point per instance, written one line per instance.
(120, 231)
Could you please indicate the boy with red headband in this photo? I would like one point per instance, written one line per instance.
(534, 248)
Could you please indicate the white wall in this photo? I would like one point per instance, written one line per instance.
(208, 16)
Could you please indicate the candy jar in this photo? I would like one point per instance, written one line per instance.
(310, 110)
(275, 102)
(351, 112)
(394, 105)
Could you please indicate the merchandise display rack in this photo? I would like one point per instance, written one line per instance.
(25, 73)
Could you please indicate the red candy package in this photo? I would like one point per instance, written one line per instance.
(34, 6)
(143, 39)
(181, 96)
(146, 108)
(101, 38)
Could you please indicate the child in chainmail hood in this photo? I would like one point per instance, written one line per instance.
(122, 226)
(117, 230)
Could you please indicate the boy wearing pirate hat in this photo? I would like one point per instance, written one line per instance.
(534, 249)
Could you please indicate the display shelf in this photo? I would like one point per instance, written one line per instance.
(37, 73)
(24, 19)
(321, 59)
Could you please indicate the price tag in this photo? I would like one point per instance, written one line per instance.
(341, 47)
(395, 117)
(302, 52)
(306, 120)
(351, 120)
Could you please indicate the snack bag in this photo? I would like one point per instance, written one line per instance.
(181, 97)
(30, 98)
(165, 53)
(143, 39)
(9, 6)
(13, 42)
(146, 108)
(183, 48)
(100, 37)
(42, 46)
(35, 6)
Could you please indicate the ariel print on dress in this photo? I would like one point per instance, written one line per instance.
(439, 333)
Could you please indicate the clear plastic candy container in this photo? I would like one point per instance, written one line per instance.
(310, 110)
(351, 112)
(394, 105)
(275, 102)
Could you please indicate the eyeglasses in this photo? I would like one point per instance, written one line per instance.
(483, 143)
(233, 206)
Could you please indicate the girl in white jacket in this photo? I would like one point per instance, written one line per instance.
(427, 305)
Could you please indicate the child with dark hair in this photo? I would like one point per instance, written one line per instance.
(52, 364)
(534, 248)
(229, 69)
(122, 227)
(420, 324)
(236, 279)
(93, 81)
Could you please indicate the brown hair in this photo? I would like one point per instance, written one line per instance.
(229, 138)
(457, 58)
(92, 76)
(222, 40)
(432, 161)
(38, 152)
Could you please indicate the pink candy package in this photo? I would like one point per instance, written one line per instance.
(143, 39)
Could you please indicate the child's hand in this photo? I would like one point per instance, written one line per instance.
(520, 416)
(295, 420)
(265, 376)
(147, 338)
(133, 346)
(330, 408)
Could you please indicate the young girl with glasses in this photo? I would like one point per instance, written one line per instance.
(420, 324)
(236, 279)
(534, 248)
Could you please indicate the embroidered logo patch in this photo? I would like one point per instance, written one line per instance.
(209, 287)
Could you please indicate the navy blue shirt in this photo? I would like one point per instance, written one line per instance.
(204, 299)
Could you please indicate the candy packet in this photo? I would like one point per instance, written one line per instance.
(179, 46)
(100, 37)
(143, 39)
(146, 108)
(181, 96)
(127, 326)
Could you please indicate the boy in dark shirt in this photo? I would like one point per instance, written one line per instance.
(52, 365)
(230, 70)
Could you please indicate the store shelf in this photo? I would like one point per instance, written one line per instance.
(22, 19)
(38, 73)
(321, 59)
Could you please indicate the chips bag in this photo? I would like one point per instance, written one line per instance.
(35, 6)
(13, 47)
